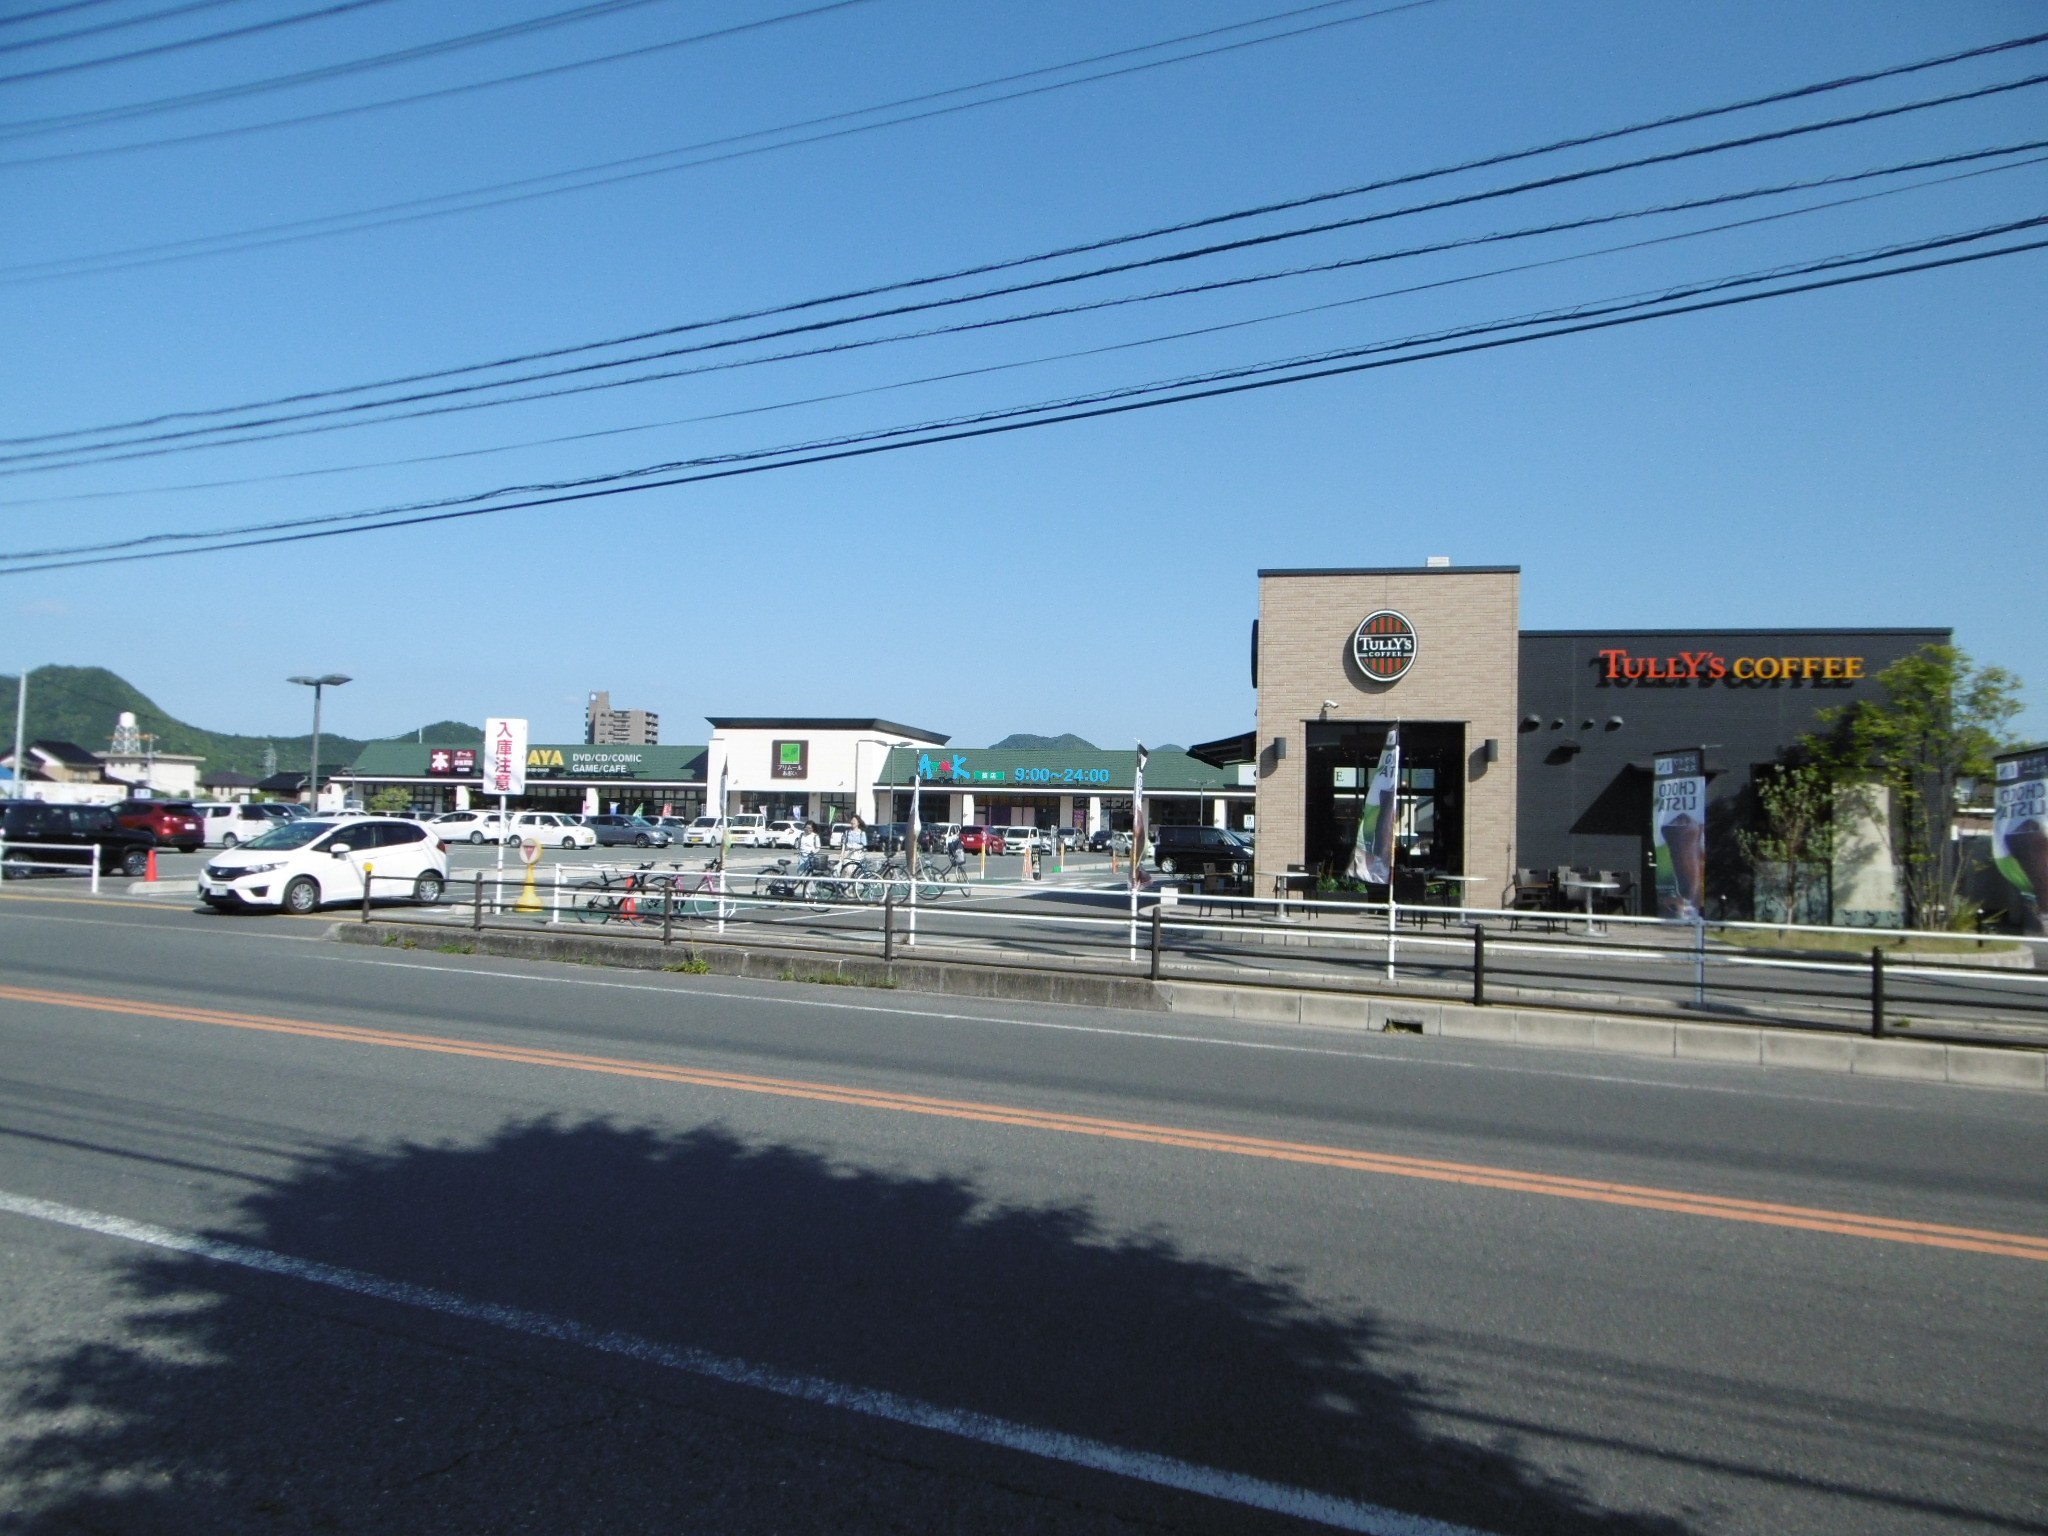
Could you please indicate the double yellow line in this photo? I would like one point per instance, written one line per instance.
(1601, 1191)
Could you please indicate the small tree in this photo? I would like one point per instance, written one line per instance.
(1941, 719)
(389, 799)
(1795, 830)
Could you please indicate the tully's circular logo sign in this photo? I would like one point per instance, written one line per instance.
(1384, 646)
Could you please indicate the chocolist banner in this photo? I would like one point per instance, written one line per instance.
(1678, 834)
(1372, 855)
(2019, 832)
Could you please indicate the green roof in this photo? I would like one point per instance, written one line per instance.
(987, 769)
(544, 761)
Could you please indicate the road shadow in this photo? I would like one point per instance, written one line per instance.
(232, 1401)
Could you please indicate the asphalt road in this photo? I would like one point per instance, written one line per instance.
(511, 1247)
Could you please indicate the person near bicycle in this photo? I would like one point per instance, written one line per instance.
(856, 844)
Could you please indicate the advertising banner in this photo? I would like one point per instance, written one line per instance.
(1372, 853)
(504, 756)
(1138, 820)
(2019, 832)
(1678, 834)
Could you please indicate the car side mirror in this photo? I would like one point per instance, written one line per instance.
(339, 850)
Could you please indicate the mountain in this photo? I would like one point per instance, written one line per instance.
(80, 704)
(1025, 742)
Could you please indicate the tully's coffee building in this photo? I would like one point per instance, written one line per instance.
(1521, 749)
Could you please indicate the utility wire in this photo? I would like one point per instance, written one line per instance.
(179, 45)
(528, 189)
(810, 327)
(588, 12)
(239, 129)
(1228, 382)
(1111, 242)
(125, 22)
(1058, 357)
(49, 10)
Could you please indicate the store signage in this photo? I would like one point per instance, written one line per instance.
(597, 763)
(790, 760)
(2019, 833)
(445, 762)
(1619, 666)
(952, 766)
(1384, 646)
(1678, 833)
(504, 756)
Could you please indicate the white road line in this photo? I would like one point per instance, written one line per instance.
(1051, 1445)
(1389, 1057)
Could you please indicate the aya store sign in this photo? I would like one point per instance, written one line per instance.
(1383, 646)
(455, 762)
(504, 756)
(1678, 834)
(1618, 666)
(2019, 833)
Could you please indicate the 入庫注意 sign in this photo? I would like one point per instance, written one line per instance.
(504, 756)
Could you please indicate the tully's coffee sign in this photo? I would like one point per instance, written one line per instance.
(1618, 666)
(1384, 646)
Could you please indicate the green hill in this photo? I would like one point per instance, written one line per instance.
(1023, 741)
(80, 704)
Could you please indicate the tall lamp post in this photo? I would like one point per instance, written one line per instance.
(317, 684)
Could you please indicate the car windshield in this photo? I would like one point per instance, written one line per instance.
(705, 821)
(293, 834)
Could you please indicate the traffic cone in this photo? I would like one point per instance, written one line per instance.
(151, 874)
(529, 894)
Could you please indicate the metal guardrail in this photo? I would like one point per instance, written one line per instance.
(1481, 955)
(88, 865)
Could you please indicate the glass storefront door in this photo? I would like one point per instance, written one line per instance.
(1430, 834)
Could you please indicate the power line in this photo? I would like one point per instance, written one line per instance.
(1228, 382)
(531, 188)
(587, 12)
(178, 45)
(809, 327)
(49, 38)
(49, 10)
(1158, 231)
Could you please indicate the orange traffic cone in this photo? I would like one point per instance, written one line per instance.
(151, 875)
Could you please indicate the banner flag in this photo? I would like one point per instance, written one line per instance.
(1138, 819)
(1678, 834)
(2019, 832)
(504, 756)
(1372, 851)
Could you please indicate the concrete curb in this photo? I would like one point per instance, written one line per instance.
(828, 967)
(1734, 1044)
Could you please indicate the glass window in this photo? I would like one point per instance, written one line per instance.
(292, 834)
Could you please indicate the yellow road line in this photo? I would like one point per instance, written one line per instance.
(1519, 1181)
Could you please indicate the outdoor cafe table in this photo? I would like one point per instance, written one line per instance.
(1589, 887)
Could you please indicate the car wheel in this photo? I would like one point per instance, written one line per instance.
(476, 837)
(642, 842)
(568, 842)
(427, 889)
(228, 840)
(302, 897)
(135, 862)
(1166, 866)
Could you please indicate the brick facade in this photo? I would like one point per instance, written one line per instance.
(1467, 628)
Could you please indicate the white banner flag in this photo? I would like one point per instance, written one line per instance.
(504, 757)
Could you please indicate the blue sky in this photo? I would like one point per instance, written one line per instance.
(1869, 455)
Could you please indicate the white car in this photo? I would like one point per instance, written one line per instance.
(1017, 839)
(748, 829)
(551, 831)
(705, 829)
(468, 827)
(782, 834)
(228, 822)
(303, 864)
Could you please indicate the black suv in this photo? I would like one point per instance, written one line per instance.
(1200, 850)
(74, 829)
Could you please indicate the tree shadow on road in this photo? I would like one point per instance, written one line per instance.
(233, 1401)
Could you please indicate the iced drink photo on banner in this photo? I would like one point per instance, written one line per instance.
(2019, 833)
(1678, 834)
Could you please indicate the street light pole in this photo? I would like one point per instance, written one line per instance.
(318, 685)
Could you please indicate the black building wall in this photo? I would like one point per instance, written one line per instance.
(1587, 737)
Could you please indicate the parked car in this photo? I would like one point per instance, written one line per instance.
(174, 823)
(318, 859)
(705, 831)
(468, 827)
(975, 839)
(1072, 837)
(1108, 841)
(747, 827)
(612, 831)
(1200, 850)
(75, 829)
(888, 836)
(551, 831)
(224, 823)
(1018, 838)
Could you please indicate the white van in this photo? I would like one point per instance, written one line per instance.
(306, 863)
(225, 823)
(749, 829)
(468, 827)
